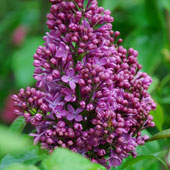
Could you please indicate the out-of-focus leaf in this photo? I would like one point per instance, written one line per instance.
(148, 148)
(154, 14)
(133, 161)
(160, 135)
(30, 157)
(153, 86)
(18, 124)
(23, 62)
(158, 116)
(111, 5)
(164, 100)
(168, 158)
(12, 142)
(149, 45)
(166, 4)
(72, 161)
(107, 4)
(18, 166)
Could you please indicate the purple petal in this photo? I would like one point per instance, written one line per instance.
(65, 79)
(64, 112)
(58, 108)
(58, 116)
(72, 84)
(61, 54)
(114, 162)
(78, 110)
(76, 78)
(40, 84)
(103, 61)
(67, 91)
(36, 140)
(79, 118)
(70, 117)
(73, 98)
(68, 98)
(70, 108)
(70, 72)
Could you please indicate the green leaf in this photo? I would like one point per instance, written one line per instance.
(154, 14)
(168, 159)
(112, 5)
(98, 167)
(148, 148)
(30, 157)
(107, 4)
(62, 159)
(12, 142)
(165, 4)
(18, 124)
(160, 135)
(154, 85)
(158, 117)
(22, 61)
(18, 166)
(133, 161)
(149, 45)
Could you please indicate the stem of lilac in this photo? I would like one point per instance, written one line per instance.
(81, 56)
(76, 5)
(91, 94)
(78, 93)
(75, 56)
(88, 3)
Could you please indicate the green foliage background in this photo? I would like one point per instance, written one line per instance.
(144, 25)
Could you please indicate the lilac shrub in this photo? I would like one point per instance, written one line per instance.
(92, 96)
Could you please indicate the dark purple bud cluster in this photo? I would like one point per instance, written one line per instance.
(93, 97)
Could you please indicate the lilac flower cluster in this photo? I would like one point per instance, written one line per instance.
(93, 97)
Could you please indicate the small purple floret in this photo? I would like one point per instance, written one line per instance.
(74, 114)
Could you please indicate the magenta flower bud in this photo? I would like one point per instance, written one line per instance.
(70, 143)
(49, 141)
(56, 73)
(61, 124)
(37, 63)
(78, 126)
(101, 152)
(44, 107)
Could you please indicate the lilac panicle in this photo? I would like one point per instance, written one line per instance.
(93, 97)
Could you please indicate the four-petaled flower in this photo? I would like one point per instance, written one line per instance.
(59, 112)
(74, 114)
(69, 95)
(54, 101)
(62, 51)
(70, 78)
(114, 159)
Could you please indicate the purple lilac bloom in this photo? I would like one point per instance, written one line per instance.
(69, 95)
(114, 160)
(59, 112)
(70, 78)
(92, 96)
(74, 114)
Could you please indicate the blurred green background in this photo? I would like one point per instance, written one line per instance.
(144, 25)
